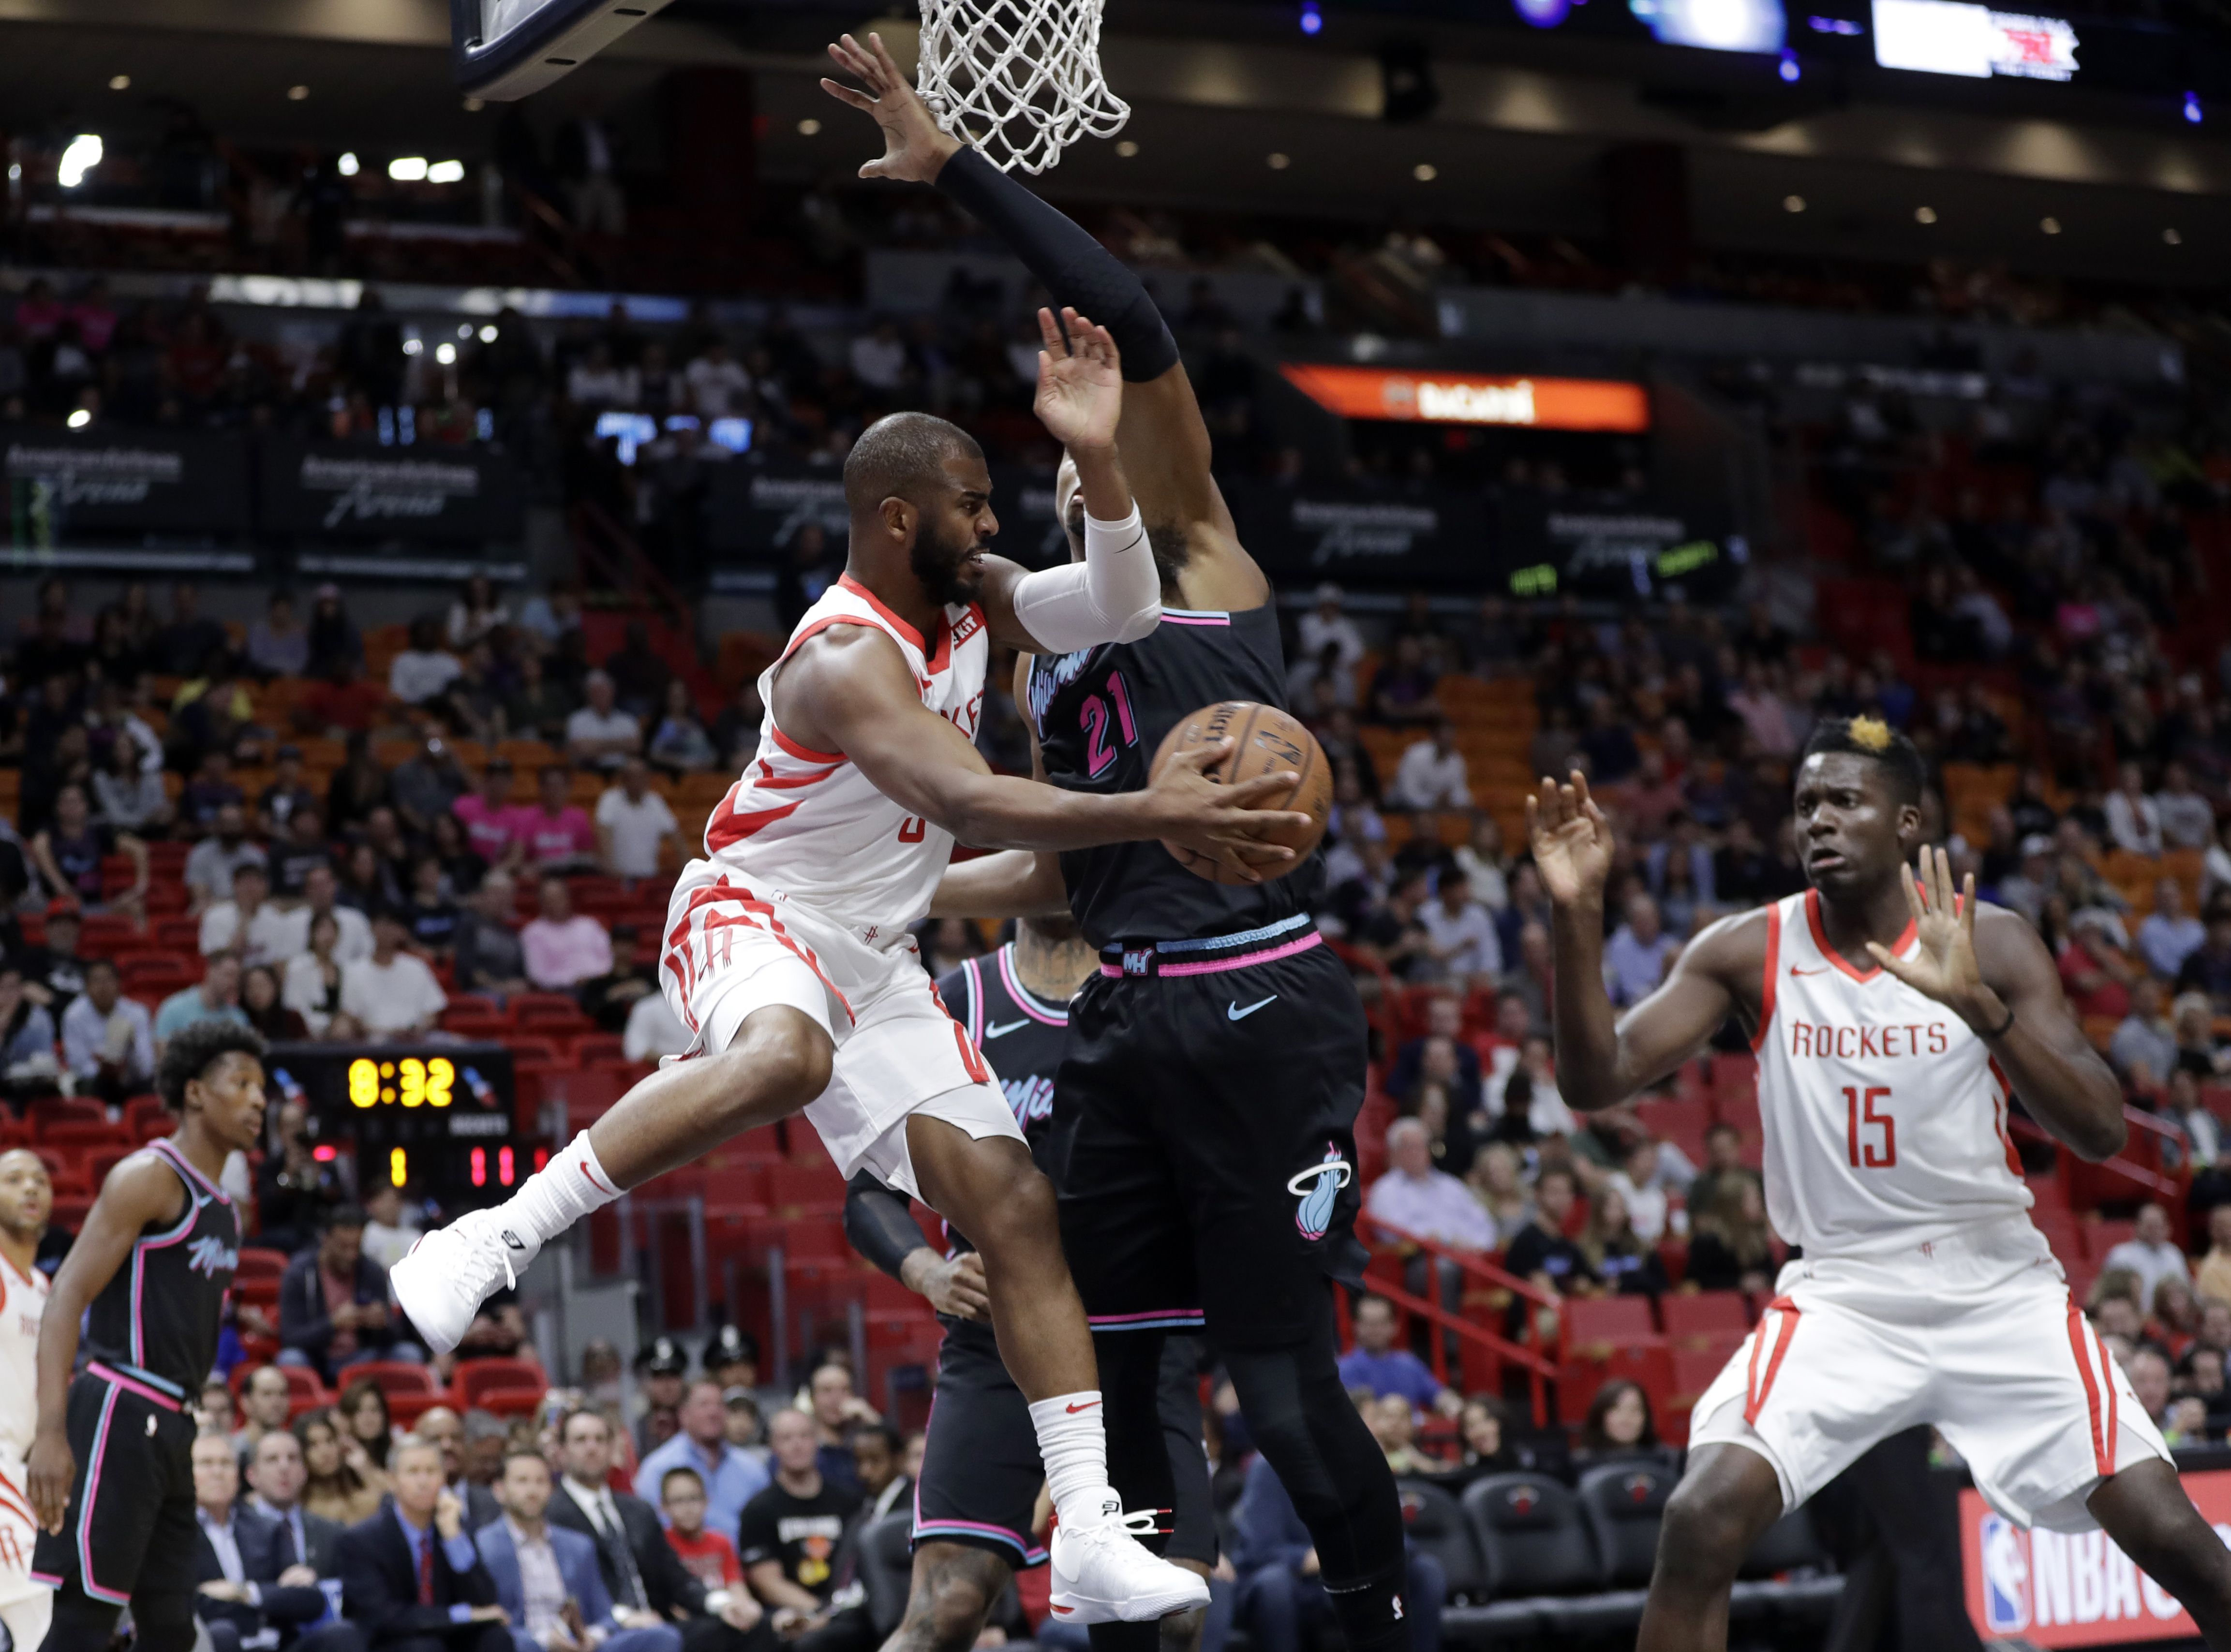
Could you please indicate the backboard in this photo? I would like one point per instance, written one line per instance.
(504, 50)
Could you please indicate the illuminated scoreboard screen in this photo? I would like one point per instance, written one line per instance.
(435, 1117)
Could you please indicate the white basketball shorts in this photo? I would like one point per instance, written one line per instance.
(17, 1533)
(1976, 1334)
(730, 950)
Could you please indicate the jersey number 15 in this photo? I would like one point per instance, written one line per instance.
(1860, 1114)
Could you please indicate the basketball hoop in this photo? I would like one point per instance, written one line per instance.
(1017, 79)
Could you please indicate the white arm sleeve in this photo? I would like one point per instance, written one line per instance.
(1114, 596)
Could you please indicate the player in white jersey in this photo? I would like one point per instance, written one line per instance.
(787, 950)
(1893, 1023)
(26, 1197)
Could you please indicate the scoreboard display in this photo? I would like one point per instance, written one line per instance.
(436, 1117)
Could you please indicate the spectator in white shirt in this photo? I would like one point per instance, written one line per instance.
(2133, 821)
(1325, 624)
(391, 994)
(599, 735)
(320, 890)
(108, 1040)
(718, 382)
(2168, 936)
(653, 1030)
(2188, 820)
(1432, 774)
(211, 862)
(249, 924)
(633, 824)
(879, 357)
(1460, 931)
(2149, 1253)
(425, 670)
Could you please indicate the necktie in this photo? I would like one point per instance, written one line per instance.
(426, 1569)
(615, 1543)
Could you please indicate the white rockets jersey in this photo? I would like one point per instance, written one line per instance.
(1885, 1116)
(23, 1297)
(809, 824)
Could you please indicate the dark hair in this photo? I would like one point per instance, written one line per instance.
(517, 1453)
(899, 454)
(680, 1472)
(883, 1431)
(343, 1215)
(108, 963)
(565, 1422)
(1592, 1431)
(195, 1048)
(345, 1417)
(1370, 1297)
(1571, 1176)
(549, 769)
(1872, 739)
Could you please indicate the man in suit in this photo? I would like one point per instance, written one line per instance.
(247, 1594)
(547, 1577)
(275, 1476)
(445, 1429)
(638, 1564)
(410, 1578)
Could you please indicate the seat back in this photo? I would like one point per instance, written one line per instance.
(1706, 1319)
(1789, 1545)
(395, 1377)
(1591, 1322)
(887, 1569)
(481, 1382)
(1532, 1540)
(1435, 1523)
(1625, 1503)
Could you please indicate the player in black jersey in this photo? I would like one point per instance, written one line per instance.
(981, 1472)
(111, 1472)
(1216, 1062)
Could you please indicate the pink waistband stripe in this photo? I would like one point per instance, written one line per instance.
(1216, 966)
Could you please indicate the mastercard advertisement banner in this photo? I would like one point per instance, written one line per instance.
(1474, 398)
(2048, 1588)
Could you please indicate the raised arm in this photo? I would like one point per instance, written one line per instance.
(847, 689)
(1991, 968)
(139, 1191)
(1603, 1058)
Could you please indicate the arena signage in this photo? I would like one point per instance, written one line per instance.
(1428, 398)
(2048, 1588)
(382, 493)
(73, 485)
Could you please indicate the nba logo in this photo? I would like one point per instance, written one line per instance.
(2006, 1576)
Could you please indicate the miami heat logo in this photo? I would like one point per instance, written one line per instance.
(1318, 1187)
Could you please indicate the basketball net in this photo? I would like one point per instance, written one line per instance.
(1017, 79)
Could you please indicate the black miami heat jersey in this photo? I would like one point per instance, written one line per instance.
(159, 1312)
(1101, 714)
(1021, 1035)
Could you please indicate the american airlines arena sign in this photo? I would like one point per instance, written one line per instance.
(1474, 398)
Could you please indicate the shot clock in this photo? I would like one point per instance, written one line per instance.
(435, 1116)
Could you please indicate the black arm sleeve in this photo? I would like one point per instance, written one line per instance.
(1077, 269)
(880, 1224)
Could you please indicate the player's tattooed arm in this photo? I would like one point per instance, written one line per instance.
(1603, 1058)
(141, 1190)
(1990, 968)
(848, 690)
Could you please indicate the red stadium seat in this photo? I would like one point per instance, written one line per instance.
(50, 1111)
(795, 1186)
(2100, 1237)
(1590, 1325)
(85, 1132)
(398, 1377)
(178, 935)
(596, 1049)
(479, 1381)
(70, 1210)
(1707, 1319)
(548, 1012)
(143, 1111)
(260, 1263)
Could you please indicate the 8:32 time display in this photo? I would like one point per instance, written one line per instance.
(410, 1082)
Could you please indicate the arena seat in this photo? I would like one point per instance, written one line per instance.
(49, 1112)
(1535, 1552)
(1705, 1319)
(1434, 1522)
(260, 1262)
(396, 1376)
(485, 1384)
(1624, 1504)
(1786, 1572)
(2102, 1236)
(84, 1133)
(800, 1185)
(70, 1210)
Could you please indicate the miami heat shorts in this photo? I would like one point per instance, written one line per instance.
(1202, 1144)
(1976, 1334)
(731, 950)
(980, 1471)
(130, 1528)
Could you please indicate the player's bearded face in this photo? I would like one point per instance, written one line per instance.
(947, 557)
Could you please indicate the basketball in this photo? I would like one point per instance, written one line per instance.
(1264, 740)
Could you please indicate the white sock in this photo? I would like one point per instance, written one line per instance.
(563, 1191)
(1073, 1441)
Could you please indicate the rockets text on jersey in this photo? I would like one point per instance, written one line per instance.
(809, 823)
(1886, 1116)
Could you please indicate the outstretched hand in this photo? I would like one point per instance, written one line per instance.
(914, 148)
(1080, 382)
(1572, 840)
(1944, 965)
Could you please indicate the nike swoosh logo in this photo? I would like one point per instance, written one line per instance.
(1793, 969)
(1087, 1406)
(1233, 1012)
(1001, 1030)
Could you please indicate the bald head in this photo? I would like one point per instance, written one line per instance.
(903, 456)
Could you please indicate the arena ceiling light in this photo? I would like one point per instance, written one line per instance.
(2170, 238)
(1127, 148)
(1924, 214)
(83, 155)
(448, 171)
(408, 169)
(1714, 25)
(1792, 204)
(119, 83)
(297, 93)
(348, 165)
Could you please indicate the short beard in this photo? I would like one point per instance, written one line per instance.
(937, 564)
